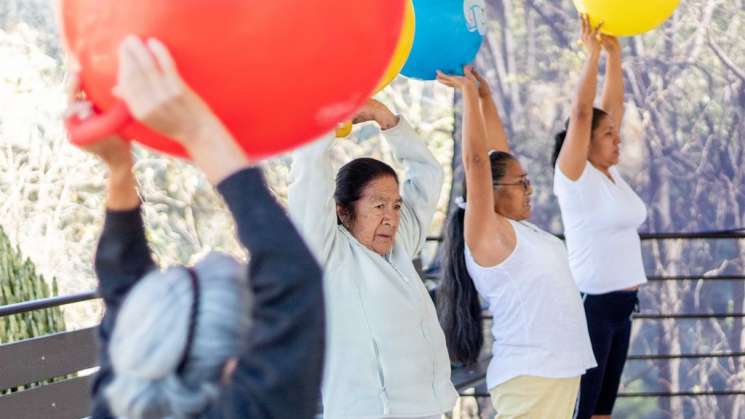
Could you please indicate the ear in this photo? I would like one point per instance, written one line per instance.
(342, 213)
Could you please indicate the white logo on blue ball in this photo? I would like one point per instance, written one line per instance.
(475, 13)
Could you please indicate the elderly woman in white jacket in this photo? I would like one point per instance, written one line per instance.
(386, 353)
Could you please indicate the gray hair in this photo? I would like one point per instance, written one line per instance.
(150, 336)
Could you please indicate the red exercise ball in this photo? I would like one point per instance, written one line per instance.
(278, 73)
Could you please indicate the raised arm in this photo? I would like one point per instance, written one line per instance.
(123, 255)
(420, 186)
(485, 231)
(574, 152)
(496, 136)
(613, 91)
(279, 372)
(311, 196)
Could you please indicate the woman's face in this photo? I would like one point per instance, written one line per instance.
(377, 214)
(512, 193)
(605, 146)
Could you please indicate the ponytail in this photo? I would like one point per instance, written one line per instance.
(458, 304)
(558, 143)
(597, 116)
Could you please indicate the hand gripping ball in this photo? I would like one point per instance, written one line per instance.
(264, 67)
(627, 17)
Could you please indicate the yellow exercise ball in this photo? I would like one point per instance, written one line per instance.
(400, 55)
(627, 17)
(344, 129)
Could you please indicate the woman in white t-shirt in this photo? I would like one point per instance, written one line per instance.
(601, 215)
(540, 342)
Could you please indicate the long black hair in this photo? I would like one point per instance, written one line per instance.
(597, 116)
(352, 179)
(458, 304)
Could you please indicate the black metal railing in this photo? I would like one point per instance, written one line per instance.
(738, 234)
(28, 306)
(734, 234)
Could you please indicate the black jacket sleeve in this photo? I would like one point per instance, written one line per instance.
(279, 372)
(122, 258)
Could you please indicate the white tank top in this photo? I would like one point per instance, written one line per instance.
(539, 325)
(601, 221)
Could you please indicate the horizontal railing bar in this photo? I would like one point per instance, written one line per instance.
(661, 278)
(685, 356)
(694, 316)
(703, 235)
(43, 303)
(683, 394)
(691, 316)
(696, 278)
(652, 394)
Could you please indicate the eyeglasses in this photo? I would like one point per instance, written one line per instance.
(524, 182)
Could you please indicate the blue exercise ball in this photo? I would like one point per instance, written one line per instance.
(448, 36)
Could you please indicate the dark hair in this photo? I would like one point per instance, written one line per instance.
(352, 179)
(597, 116)
(458, 304)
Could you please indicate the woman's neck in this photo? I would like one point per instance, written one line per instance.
(603, 169)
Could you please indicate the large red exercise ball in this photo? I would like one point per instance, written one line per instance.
(269, 69)
(449, 34)
(627, 17)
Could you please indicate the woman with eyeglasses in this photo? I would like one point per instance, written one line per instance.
(540, 345)
(601, 215)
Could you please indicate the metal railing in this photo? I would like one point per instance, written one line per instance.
(734, 234)
(29, 306)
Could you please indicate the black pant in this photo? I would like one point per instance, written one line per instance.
(609, 324)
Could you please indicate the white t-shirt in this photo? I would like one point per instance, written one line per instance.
(539, 325)
(601, 222)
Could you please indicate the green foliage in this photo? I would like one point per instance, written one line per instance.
(19, 282)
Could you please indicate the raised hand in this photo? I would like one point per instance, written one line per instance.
(611, 45)
(484, 88)
(374, 110)
(114, 151)
(465, 83)
(149, 82)
(158, 97)
(590, 37)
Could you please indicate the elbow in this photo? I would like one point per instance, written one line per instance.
(581, 112)
(474, 160)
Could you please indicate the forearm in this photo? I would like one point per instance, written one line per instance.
(121, 188)
(496, 136)
(613, 90)
(587, 89)
(214, 150)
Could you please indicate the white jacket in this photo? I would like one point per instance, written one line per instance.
(385, 353)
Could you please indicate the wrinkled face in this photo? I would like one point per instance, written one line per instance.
(605, 146)
(377, 214)
(513, 192)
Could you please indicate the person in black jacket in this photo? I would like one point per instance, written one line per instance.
(176, 343)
